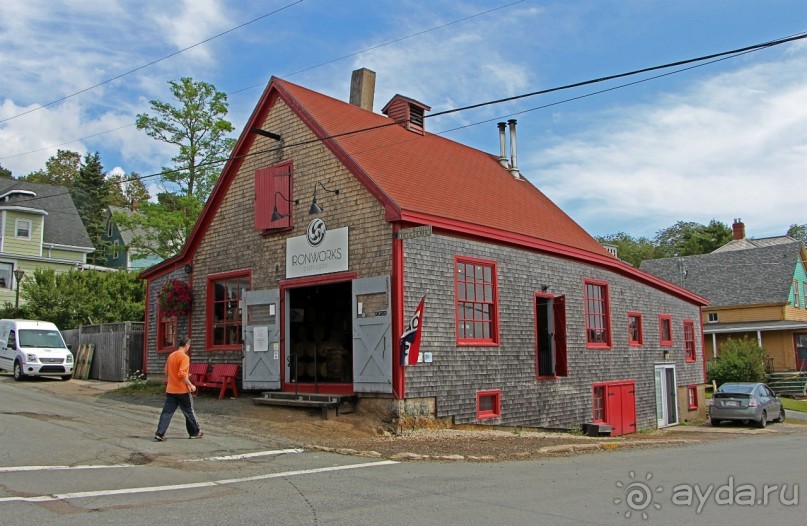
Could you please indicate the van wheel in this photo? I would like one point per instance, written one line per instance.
(67, 377)
(18, 374)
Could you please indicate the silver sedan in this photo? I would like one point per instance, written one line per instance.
(745, 401)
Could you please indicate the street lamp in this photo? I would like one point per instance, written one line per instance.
(18, 275)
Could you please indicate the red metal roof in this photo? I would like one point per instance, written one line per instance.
(434, 176)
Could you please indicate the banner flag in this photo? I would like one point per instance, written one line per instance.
(410, 339)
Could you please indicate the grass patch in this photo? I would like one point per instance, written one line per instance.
(143, 388)
(794, 405)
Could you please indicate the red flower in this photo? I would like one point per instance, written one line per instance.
(175, 298)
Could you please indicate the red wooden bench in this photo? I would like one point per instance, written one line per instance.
(197, 372)
(222, 377)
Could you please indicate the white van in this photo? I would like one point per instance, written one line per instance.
(34, 348)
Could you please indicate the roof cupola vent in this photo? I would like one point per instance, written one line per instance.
(407, 112)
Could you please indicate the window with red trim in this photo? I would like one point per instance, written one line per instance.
(550, 337)
(689, 340)
(665, 329)
(223, 315)
(477, 308)
(692, 396)
(635, 330)
(273, 193)
(598, 404)
(598, 323)
(166, 331)
(488, 404)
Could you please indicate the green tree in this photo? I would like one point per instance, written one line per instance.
(5, 172)
(798, 232)
(134, 191)
(630, 249)
(198, 128)
(73, 298)
(738, 360)
(690, 238)
(61, 169)
(160, 229)
(90, 191)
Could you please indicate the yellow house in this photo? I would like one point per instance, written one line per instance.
(39, 228)
(756, 288)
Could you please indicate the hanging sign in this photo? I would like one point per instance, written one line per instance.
(319, 251)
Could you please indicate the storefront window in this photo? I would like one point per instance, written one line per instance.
(224, 316)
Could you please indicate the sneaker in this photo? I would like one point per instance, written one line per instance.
(159, 438)
(200, 435)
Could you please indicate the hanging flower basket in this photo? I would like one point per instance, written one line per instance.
(175, 298)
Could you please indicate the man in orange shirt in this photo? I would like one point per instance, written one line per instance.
(178, 392)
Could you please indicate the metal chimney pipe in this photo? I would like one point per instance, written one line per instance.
(503, 146)
(513, 161)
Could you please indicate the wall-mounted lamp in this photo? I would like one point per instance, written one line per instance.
(258, 131)
(277, 215)
(315, 208)
(544, 288)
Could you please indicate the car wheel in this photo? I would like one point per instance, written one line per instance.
(67, 377)
(715, 422)
(781, 417)
(18, 374)
(763, 421)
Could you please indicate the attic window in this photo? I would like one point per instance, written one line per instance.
(416, 116)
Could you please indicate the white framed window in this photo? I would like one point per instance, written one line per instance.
(712, 317)
(115, 249)
(23, 228)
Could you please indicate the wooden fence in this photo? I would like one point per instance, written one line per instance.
(118, 348)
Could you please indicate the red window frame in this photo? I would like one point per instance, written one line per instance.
(597, 313)
(598, 412)
(230, 328)
(166, 328)
(635, 336)
(492, 402)
(476, 302)
(689, 341)
(692, 396)
(665, 336)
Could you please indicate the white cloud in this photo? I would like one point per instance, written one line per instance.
(732, 146)
(190, 21)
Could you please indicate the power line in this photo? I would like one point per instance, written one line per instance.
(715, 57)
(282, 76)
(148, 64)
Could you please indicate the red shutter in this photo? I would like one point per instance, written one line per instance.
(559, 315)
(273, 189)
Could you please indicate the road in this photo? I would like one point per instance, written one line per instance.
(80, 460)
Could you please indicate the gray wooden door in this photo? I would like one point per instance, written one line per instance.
(260, 310)
(372, 335)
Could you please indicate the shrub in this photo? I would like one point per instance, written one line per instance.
(738, 360)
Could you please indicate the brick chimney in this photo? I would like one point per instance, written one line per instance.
(362, 88)
(738, 228)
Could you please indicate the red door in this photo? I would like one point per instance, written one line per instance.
(620, 411)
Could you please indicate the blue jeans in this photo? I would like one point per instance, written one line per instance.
(185, 403)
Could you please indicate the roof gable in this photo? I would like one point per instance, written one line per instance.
(63, 226)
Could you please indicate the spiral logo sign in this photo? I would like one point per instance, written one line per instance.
(316, 232)
(638, 496)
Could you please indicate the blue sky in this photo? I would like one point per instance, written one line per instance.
(723, 141)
